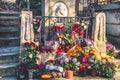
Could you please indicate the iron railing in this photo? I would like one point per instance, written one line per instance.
(48, 22)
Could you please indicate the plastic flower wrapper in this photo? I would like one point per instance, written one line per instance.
(111, 49)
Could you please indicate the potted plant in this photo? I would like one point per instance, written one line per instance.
(21, 71)
(108, 70)
(30, 57)
(69, 66)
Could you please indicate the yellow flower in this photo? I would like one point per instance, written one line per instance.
(109, 60)
(103, 55)
(112, 58)
(98, 57)
(107, 57)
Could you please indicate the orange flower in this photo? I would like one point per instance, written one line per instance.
(79, 48)
(86, 55)
(61, 36)
(71, 52)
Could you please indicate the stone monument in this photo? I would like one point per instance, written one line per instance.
(27, 33)
(99, 33)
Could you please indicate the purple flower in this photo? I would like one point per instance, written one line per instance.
(61, 61)
(66, 60)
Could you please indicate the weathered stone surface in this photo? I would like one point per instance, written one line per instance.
(8, 59)
(9, 42)
(9, 49)
(99, 33)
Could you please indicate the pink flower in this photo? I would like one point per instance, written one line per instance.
(66, 60)
(84, 59)
(41, 65)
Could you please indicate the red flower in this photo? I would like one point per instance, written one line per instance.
(26, 43)
(51, 61)
(87, 64)
(33, 44)
(74, 29)
(82, 68)
(59, 50)
(81, 32)
(41, 65)
(37, 20)
(77, 24)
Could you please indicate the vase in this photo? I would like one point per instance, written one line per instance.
(30, 73)
(69, 74)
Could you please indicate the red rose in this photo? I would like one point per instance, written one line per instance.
(77, 24)
(26, 43)
(33, 44)
(51, 61)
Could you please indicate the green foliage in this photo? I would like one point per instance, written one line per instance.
(108, 70)
(69, 66)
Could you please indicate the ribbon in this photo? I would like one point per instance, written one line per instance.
(39, 27)
(59, 28)
(73, 36)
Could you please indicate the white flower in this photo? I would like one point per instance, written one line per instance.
(74, 60)
(30, 55)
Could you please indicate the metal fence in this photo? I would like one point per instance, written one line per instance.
(49, 22)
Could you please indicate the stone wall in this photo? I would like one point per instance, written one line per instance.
(113, 27)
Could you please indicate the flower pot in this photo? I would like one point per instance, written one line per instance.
(69, 74)
(30, 73)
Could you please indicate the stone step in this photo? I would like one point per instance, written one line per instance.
(10, 27)
(9, 30)
(9, 34)
(9, 18)
(8, 65)
(8, 24)
(9, 13)
(10, 43)
(8, 54)
(9, 49)
(8, 78)
(8, 69)
(9, 58)
(11, 38)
